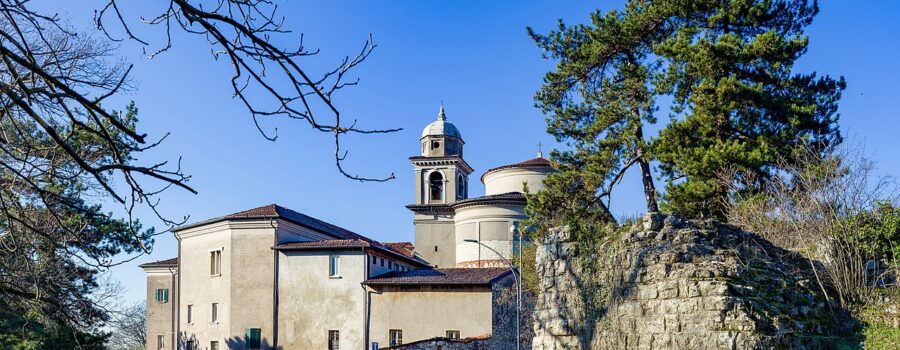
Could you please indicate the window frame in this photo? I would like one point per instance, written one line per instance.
(453, 334)
(214, 313)
(334, 339)
(214, 345)
(190, 314)
(215, 263)
(395, 337)
(334, 266)
(160, 342)
(162, 292)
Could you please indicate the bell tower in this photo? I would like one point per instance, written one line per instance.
(441, 178)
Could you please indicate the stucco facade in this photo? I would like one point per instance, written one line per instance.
(272, 278)
(162, 304)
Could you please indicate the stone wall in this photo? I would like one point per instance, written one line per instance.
(669, 284)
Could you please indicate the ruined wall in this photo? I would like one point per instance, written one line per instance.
(668, 284)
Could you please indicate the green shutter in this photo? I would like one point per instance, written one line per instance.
(252, 337)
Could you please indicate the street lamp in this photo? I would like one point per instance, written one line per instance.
(518, 286)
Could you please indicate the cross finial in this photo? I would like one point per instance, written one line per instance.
(540, 151)
(441, 115)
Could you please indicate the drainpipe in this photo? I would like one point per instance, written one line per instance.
(274, 287)
(366, 300)
(177, 316)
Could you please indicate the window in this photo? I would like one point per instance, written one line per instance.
(253, 339)
(436, 183)
(215, 313)
(435, 248)
(191, 345)
(190, 314)
(374, 259)
(213, 345)
(390, 265)
(396, 336)
(435, 144)
(334, 340)
(460, 187)
(162, 296)
(382, 262)
(334, 266)
(215, 263)
(160, 342)
(453, 334)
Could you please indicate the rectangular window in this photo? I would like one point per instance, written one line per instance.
(334, 266)
(396, 336)
(215, 312)
(374, 259)
(334, 340)
(215, 263)
(213, 345)
(453, 334)
(191, 345)
(160, 342)
(435, 248)
(382, 262)
(253, 339)
(390, 265)
(162, 296)
(190, 314)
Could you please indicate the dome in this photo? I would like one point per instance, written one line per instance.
(441, 127)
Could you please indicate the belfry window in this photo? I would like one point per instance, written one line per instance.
(460, 188)
(436, 182)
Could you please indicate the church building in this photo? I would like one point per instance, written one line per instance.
(273, 278)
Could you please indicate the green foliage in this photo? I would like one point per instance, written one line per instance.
(62, 237)
(737, 105)
(737, 102)
(878, 231)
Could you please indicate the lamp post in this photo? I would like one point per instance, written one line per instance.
(518, 285)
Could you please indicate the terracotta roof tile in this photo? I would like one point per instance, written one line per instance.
(463, 276)
(405, 248)
(173, 262)
(330, 243)
(531, 163)
(508, 196)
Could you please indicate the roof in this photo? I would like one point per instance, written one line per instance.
(441, 127)
(405, 248)
(173, 262)
(343, 237)
(330, 243)
(539, 162)
(453, 276)
(516, 197)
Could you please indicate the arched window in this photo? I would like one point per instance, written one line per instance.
(460, 187)
(436, 183)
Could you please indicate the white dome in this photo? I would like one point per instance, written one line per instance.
(441, 127)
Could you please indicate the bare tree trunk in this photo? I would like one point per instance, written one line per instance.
(646, 176)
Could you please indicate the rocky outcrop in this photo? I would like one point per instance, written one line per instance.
(666, 283)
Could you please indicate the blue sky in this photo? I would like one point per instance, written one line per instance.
(473, 55)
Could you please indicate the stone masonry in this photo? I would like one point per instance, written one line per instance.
(672, 284)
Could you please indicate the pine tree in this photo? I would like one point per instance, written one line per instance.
(737, 104)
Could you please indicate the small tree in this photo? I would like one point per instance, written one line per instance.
(130, 331)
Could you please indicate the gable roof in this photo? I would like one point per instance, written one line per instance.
(452, 276)
(343, 237)
(173, 262)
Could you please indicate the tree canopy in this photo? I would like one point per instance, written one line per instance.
(736, 103)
